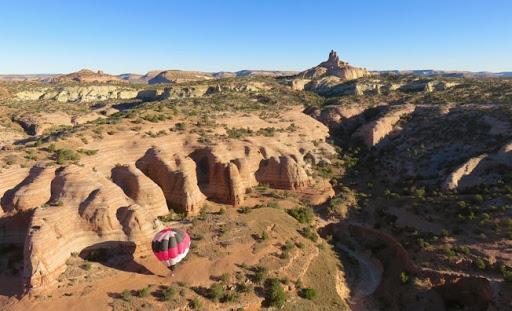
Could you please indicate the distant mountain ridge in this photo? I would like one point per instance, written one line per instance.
(140, 78)
(448, 73)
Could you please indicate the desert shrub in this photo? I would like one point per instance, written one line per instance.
(309, 293)
(404, 278)
(448, 251)
(264, 236)
(126, 295)
(143, 292)
(261, 274)
(274, 293)
(204, 210)
(288, 245)
(87, 266)
(66, 154)
(273, 204)
(507, 276)
(309, 234)
(244, 210)
(216, 292)
(480, 264)
(303, 215)
(222, 211)
(231, 296)
(180, 126)
(168, 293)
(300, 245)
(478, 198)
(196, 303)
(52, 148)
(225, 277)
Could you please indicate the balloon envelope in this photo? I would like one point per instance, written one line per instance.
(170, 246)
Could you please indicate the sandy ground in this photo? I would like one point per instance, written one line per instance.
(194, 272)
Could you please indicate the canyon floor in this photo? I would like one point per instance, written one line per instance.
(384, 192)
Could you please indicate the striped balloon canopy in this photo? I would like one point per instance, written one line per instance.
(170, 246)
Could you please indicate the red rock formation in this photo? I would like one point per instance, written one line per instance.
(283, 172)
(33, 192)
(176, 175)
(141, 189)
(91, 212)
(334, 67)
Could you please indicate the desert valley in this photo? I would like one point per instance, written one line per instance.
(334, 188)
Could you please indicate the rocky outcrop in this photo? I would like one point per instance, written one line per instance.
(86, 75)
(373, 132)
(32, 192)
(176, 175)
(141, 189)
(37, 123)
(283, 172)
(336, 115)
(334, 67)
(92, 213)
(465, 169)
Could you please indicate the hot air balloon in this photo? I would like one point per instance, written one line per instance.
(170, 246)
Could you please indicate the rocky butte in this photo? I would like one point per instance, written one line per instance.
(334, 67)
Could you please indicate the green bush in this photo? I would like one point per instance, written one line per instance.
(274, 293)
(507, 276)
(303, 215)
(480, 264)
(309, 293)
(126, 295)
(225, 277)
(404, 278)
(143, 292)
(309, 234)
(264, 236)
(87, 266)
(261, 274)
(168, 293)
(273, 204)
(245, 210)
(216, 292)
(196, 303)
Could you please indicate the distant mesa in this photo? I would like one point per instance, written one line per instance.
(334, 67)
(86, 75)
(179, 76)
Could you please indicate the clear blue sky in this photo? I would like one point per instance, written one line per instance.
(137, 36)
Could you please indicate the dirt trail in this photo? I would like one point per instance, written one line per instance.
(370, 276)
